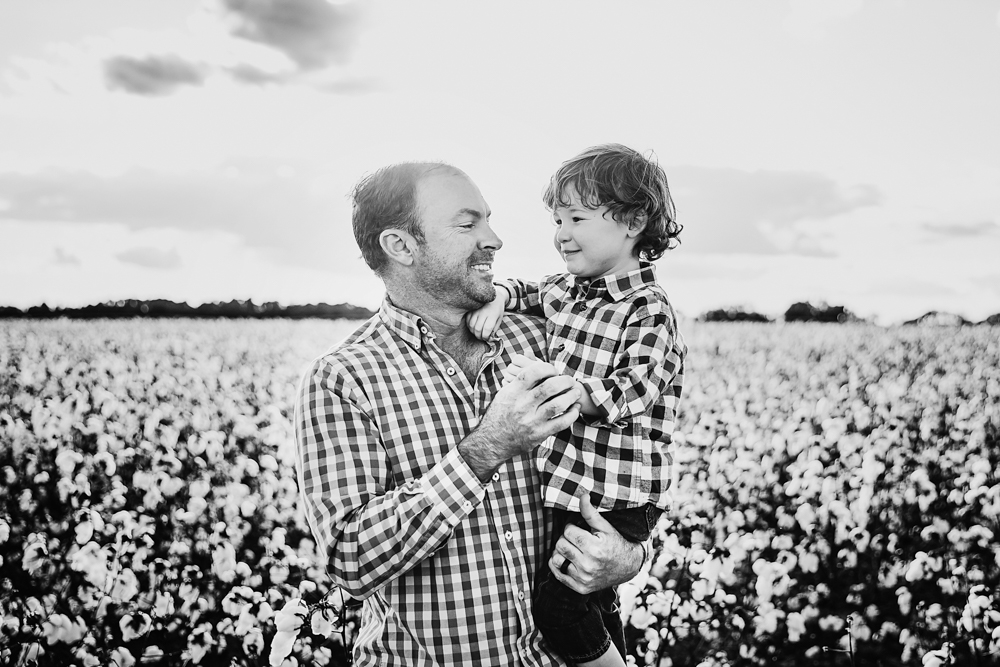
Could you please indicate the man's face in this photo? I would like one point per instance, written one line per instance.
(455, 262)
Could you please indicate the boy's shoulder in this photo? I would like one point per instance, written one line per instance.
(651, 296)
(651, 301)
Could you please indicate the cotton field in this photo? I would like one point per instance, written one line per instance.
(836, 499)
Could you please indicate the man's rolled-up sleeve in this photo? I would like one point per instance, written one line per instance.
(371, 529)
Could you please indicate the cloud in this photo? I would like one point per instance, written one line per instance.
(293, 219)
(253, 42)
(248, 74)
(151, 75)
(152, 258)
(962, 229)
(312, 33)
(63, 257)
(760, 212)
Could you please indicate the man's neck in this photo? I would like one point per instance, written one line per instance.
(448, 324)
(442, 319)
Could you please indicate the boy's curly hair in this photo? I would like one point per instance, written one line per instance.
(632, 186)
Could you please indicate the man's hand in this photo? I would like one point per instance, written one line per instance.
(535, 404)
(484, 322)
(598, 559)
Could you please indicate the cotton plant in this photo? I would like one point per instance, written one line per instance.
(836, 500)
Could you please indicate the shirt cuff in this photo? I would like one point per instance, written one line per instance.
(453, 488)
(602, 399)
(513, 301)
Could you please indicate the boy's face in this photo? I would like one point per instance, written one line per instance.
(591, 242)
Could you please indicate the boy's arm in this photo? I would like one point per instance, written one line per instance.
(525, 296)
(644, 367)
(484, 321)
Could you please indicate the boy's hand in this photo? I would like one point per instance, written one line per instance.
(483, 323)
(517, 364)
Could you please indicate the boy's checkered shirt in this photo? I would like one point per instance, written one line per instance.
(445, 563)
(618, 336)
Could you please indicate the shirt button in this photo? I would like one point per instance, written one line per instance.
(423, 330)
(509, 535)
(580, 307)
(520, 595)
(496, 477)
(467, 506)
(451, 371)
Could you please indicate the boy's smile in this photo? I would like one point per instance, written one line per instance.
(591, 242)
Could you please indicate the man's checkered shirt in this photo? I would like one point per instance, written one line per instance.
(445, 564)
(618, 336)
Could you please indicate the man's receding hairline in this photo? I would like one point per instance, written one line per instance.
(433, 169)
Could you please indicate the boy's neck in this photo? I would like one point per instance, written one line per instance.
(633, 264)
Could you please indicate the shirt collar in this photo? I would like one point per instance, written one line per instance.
(618, 285)
(409, 327)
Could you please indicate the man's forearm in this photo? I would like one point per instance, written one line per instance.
(384, 536)
(483, 453)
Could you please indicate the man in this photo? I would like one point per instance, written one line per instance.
(414, 459)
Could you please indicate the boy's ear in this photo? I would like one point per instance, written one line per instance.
(397, 245)
(636, 226)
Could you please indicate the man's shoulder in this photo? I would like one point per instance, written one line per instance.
(359, 349)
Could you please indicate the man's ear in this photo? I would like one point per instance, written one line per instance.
(397, 245)
(637, 225)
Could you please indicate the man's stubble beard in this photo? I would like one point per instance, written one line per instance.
(452, 283)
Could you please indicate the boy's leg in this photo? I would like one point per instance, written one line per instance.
(576, 625)
(605, 602)
(568, 621)
(636, 525)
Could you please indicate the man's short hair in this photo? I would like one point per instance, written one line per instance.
(631, 185)
(387, 199)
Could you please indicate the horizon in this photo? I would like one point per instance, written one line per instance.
(772, 316)
(837, 151)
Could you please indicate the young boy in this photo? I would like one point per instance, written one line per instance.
(610, 326)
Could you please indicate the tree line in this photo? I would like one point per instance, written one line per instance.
(159, 308)
(804, 311)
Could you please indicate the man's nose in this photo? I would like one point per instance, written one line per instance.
(491, 240)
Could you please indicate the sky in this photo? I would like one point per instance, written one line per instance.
(832, 151)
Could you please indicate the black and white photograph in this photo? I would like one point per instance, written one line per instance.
(542, 333)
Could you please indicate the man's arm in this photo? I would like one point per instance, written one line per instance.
(598, 559)
(524, 412)
(371, 531)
